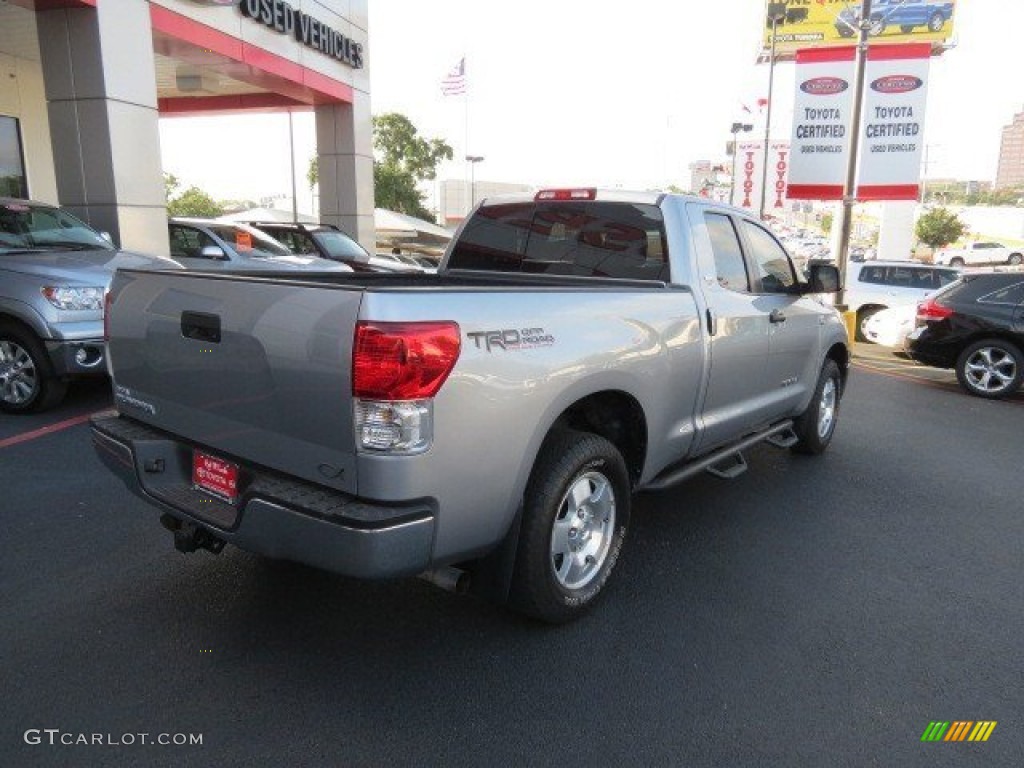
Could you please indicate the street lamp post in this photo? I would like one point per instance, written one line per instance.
(776, 13)
(736, 128)
(472, 160)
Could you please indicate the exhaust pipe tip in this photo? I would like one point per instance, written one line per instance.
(448, 578)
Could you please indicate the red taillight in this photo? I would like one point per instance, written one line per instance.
(403, 361)
(106, 316)
(929, 309)
(566, 194)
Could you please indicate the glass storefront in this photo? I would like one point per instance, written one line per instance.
(12, 164)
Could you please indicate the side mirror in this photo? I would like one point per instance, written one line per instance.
(213, 252)
(106, 236)
(824, 278)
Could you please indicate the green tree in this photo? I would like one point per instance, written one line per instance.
(826, 223)
(402, 159)
(939, 227)
(171, 185)
(194, 202)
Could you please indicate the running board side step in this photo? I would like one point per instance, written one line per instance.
(730, 467)
(730, 455)
(785, 439)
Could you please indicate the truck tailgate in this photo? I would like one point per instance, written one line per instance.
(259, 368)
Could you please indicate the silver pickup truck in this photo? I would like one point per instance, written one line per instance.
(54, 272)
(488, 424)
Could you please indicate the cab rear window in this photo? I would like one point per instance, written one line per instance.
(592, 239)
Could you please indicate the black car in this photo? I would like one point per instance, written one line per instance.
(976, 326)
(329, 242)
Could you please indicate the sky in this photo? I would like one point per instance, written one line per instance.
(574, 92)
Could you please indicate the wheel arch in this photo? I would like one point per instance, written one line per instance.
(840, 354)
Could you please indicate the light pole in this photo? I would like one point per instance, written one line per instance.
(736, 128)
(776, 13)
(472, 160)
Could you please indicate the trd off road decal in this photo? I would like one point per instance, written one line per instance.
(510, 339)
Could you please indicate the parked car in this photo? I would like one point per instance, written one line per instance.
(488, 424)
(328, 242)
(54, 273)
(221, 246)
(979, 253)
(890, 327)
(876, 285)
(975, 326)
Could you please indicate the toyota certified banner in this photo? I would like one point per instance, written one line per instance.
(750, 170)
(822, 114)
(892, 124)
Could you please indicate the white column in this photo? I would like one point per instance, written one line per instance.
(344, 143)
(100, 81)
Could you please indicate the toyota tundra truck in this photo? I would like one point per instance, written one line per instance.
(484, 427)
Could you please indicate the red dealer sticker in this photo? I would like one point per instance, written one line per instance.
(215, 476)
(897, 84)
(824, 86)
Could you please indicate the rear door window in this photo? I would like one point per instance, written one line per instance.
(591, 239)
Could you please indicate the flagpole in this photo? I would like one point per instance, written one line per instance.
(469, 165)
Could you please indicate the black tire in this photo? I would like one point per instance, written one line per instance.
(990, 368)
(863, 315)
(1014, 260)
(27, 380)
(936, 22)
(570, 460)
(844, 31)
(956, 261)
(814, 428)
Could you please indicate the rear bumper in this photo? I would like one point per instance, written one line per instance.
(922, 346)
(274, 515)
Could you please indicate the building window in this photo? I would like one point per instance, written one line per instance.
(12, 164)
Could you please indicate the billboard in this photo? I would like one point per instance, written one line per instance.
(814, 23)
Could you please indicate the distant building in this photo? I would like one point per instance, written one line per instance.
(707, 178)
(455, 196)
(1011, 155)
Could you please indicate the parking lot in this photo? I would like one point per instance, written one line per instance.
(812, 612)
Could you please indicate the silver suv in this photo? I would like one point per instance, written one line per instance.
(876, 285)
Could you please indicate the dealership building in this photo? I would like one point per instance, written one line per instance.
(83, 84)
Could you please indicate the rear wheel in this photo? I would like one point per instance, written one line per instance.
(863, 315)
(1014, 260)
(575, 514)
(935, 22)
(956, 261)
(27, 380)
(990, 368)
(815, 426)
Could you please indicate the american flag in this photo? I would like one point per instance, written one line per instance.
(454, 83)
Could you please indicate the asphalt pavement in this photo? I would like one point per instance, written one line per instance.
(813, 612)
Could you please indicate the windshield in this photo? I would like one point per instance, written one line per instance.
(249, 241)
(340, 245)
(26, 227)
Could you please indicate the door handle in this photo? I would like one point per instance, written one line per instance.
(777, 316)
(712, 323)
(200, 326)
